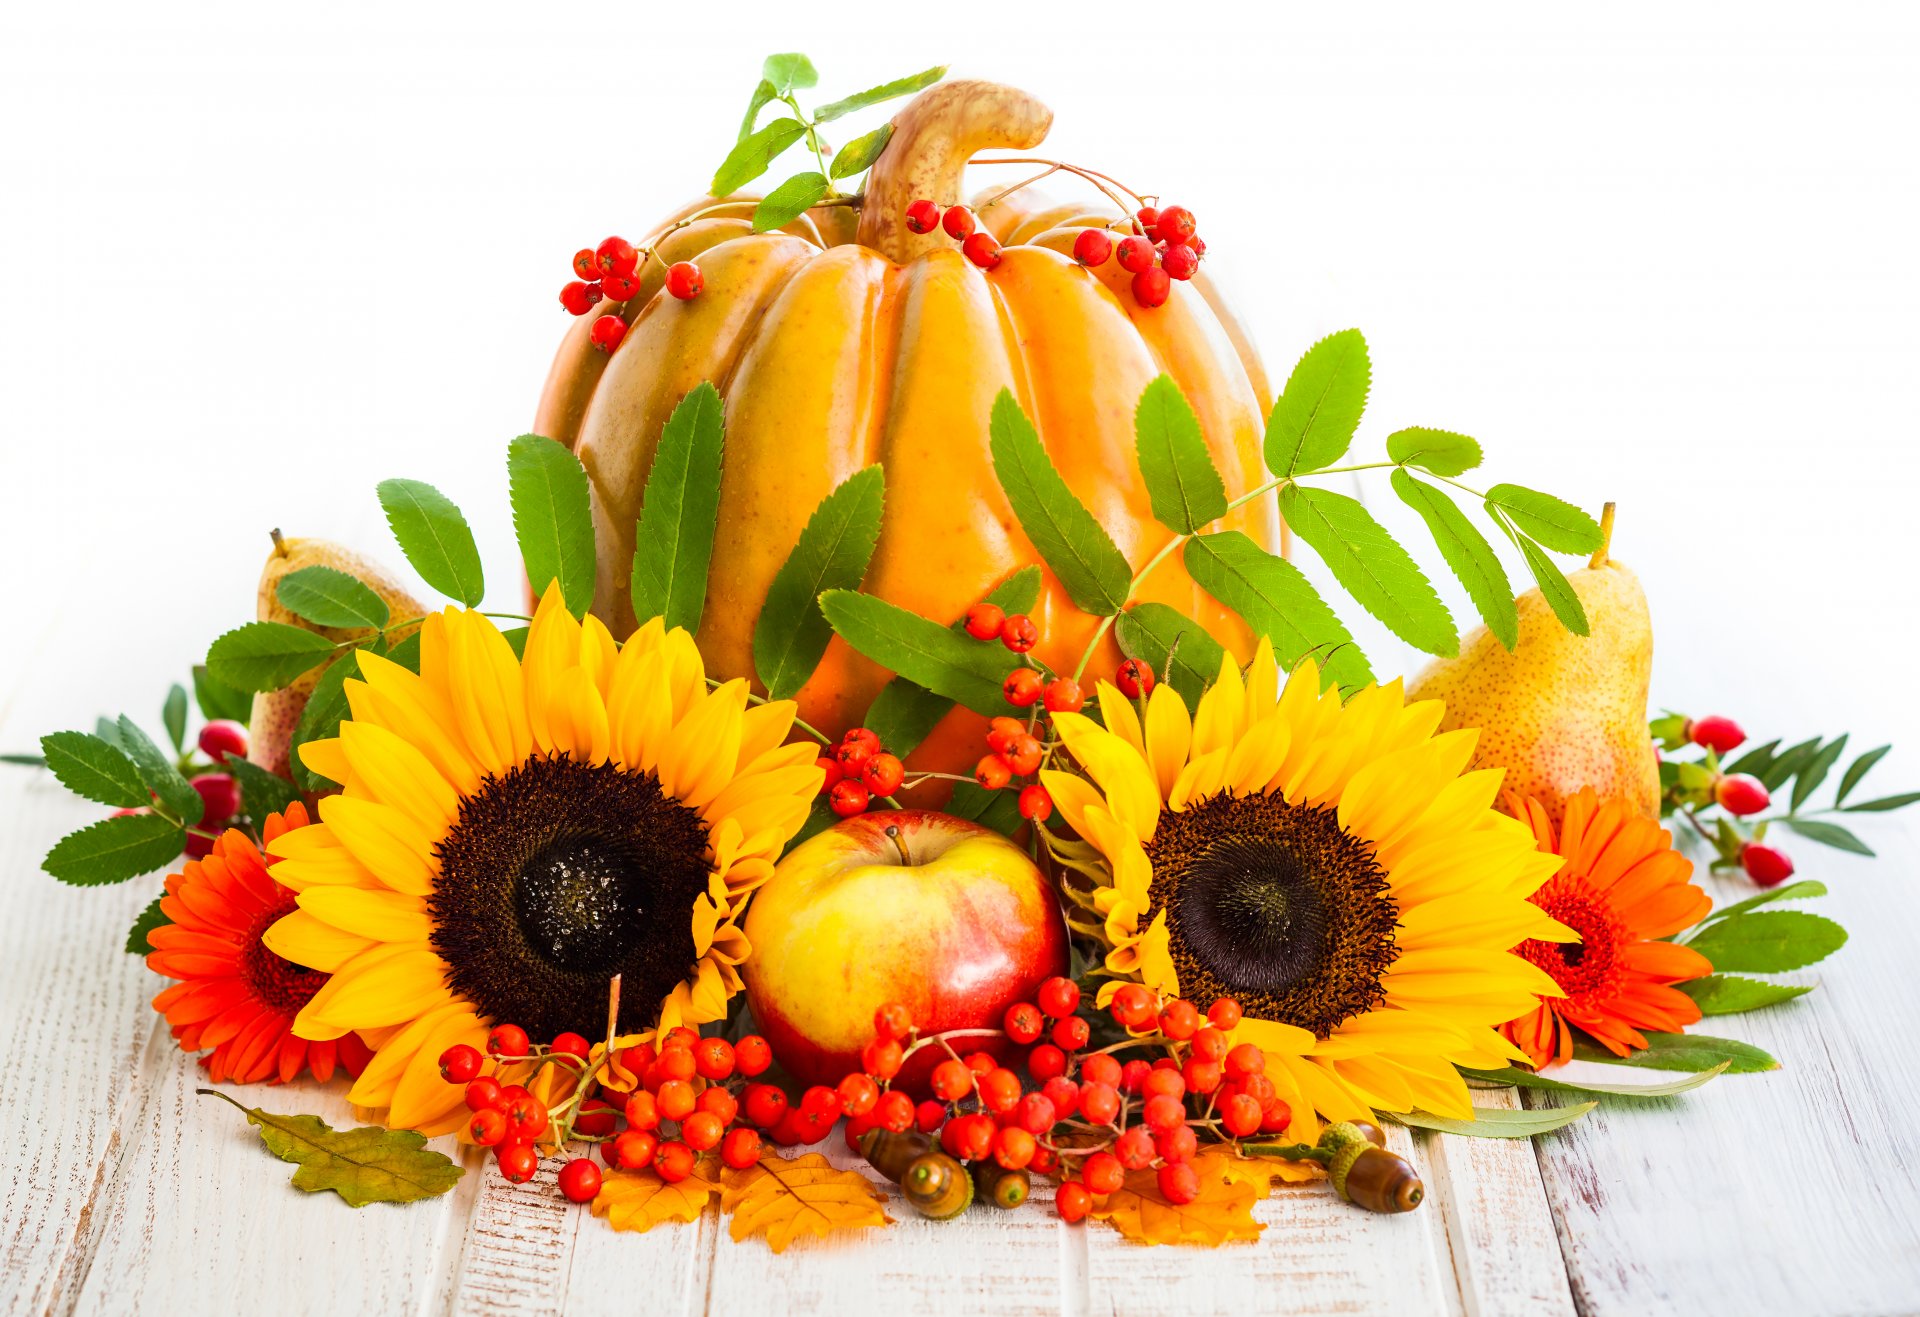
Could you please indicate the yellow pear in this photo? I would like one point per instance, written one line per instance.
(1561, 712)
(277, 713)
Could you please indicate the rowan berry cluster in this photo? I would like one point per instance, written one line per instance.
(858, 770)
(611, 272)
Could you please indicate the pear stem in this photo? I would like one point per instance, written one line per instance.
(279, 544)
(1599, 558)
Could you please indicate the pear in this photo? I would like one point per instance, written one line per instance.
(277, 713)
(1561, 712)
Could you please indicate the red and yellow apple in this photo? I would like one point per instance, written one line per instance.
(948, 918)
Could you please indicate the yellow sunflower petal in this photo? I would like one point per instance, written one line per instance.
(327, 758)
(387, 984)
(1119, 716)
(704, 748)
(399, 775)
(393, 1052)
(407, 706)
(1169, 736)
(1120, 773)
(305, 940)
(422, 1098)
(393, 847)
(1219, 720)
(376, 916)
(488, 692)
(553, 649)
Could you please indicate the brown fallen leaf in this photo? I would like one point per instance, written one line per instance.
(781, 1199)
(364, 1165)
(640, 1200)
(1223, 1211)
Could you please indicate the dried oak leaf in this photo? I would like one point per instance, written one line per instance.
(781, 1199)
(1223, 1211)
(1261, 1172)
(363, 1165)
(640, 1200)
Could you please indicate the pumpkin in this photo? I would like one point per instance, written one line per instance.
(845, 339)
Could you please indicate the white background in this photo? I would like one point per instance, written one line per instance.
(255, 258)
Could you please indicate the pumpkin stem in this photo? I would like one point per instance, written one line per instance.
(933, 138)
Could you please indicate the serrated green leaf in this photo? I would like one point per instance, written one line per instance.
(1442, 452)
(261, 793)
(1857, 770)
(1554, 522)
(435, 537)
(151, 918)
(265, 656)
(1787, 763)
(858, 155)
(673, 545)
(116, 849)
(1371, 567)
(1553, 583)
(903, 714)
(754, 154)
(886, 91)
(1183, 485)
(1683, 1051)
(173, 716)
(1519, 1078)
(94, 769)
(1831, 834)
(1073, 543)
(1885, 803)
(1730, 994)
(553, 518)
(327, 596)
(1313, 421)
(789, 201)
(763, 95)
(217, 700)
(1808, 780)
(1179, 648)
(1769, 941)
(174, 792)
(320, 719)
(921, 650)
(789, 71)
(999, 810)
(1278, 602)
(832, 554)
(1800, 891)
(1754, 761)
(1467, 553)
(108, 730)
(367, 1164)
(1496, 1122)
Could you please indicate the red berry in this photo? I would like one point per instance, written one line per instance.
(221, 738)
(881, 1058)
(1134, 255)
(882, 774)
(702, 1130)
(1035, 803)
(1210, 1044)
(1093, 247)
(852, 756)
(507, 1040)
(643, 1112)
(1151, 288)
(1099, 1102)
(1148, 216)
(864, 740)
(580, 1180)
(1038, 1112)
(1064, 1094)
(1100, 1068)
(1001, 732)
(983, 621)
(674, 1162)
(992, 773)
(617, 256)
(830, 773)
(848, 798)
(1224, 1014)
(1134, 1074)
(765, 1105)
(619, 287)
(586, 264)
(1199, 245)
(488, 1126)
(1174, 225)
(741, 1149)
(713, 1058)
(684, 280)
(1022, 687)
(460, 1063)
(970, 1138)
(1202, 1076)
(1179, 261)
(1135, 1149)
(892, 1020)
(676, 1099)
(596, 1119)
(1013, 1148)
(1046, 1061)
(518, 1162)
(675, 1063)
(1072, 1201)
(1103, 1172)
(1023, 1022)
(1178, 1183)
(1019, 634)
(982, 248)
(927, 1117)
(858, 1095)
(751, 1055)
(999, 1089)
(484, 1093)
(1132, 1007)
(922, 216)
(958, 222)
(633, 1150)
(1245, 1061)
(1063, 696)
(681, 1037)
(1241, 1115)
(1070, 1034)
(580, 298)
(220, 795)
(951, 1081)
(1178, 1144)
(1134, 677)
(981, 1063)
(571, 1044)
(607, 332)
(1740, 794)
(1716, 733)
(1164, 1081)
(717, 1101)
(1768, 866)
(1023, 756)
(895, 1111)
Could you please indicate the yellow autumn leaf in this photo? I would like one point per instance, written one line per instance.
(1261, 1172)
(640, 1200)
(781, 1199)
(1223, 1211)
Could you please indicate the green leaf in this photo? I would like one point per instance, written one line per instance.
(175, 793)
(321, 717)
(1831, 834)
(1468, 554)
(552, 518)
(763, 95)
(367, 1164)
(820, 817)
(151, 918)
(217, 700)
(1371, 567)
(407, 652)
(753, 154)
(1178, 647)
(999, 810)
(261, 793)
(1442, 452)
(265, 656)
(1808, 780)
(921, 650)
(886, 91)
(1754, 761)
(1553, 583)
(435, 538)
(673, 545)
(116, 849)
(1313, 422)
(24, 761)
(173, 716)
(1799, 891)
(1769, 941)
(903, 715)
(1519, 1078)
(1277, 601)
(1857, 770)
(1496, 1122)
(327, 596)
(1729, 994)
(1081, 553)
(108, 730)
(1683, 1051)
(789, 201)
(858, 155)
(94, 769)
(1885, 803)
(786, 72)
(1787, 763)
(1553, 522)
(832, 554)
(1183, 485)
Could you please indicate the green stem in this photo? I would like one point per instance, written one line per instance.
(814, 143)
(1292, 1152)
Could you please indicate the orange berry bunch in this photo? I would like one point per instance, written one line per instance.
(857, 770)
(611, 272)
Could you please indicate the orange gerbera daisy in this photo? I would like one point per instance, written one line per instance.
(1622, 887)
(233, 994)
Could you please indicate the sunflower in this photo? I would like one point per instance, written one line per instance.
(513, 833)
(233, 994)
(1334, 867)
(1623, 888)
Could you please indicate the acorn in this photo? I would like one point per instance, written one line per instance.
(1343, 1133)
(1000, 1186)
(1373, 1132)
(890, 1153)
(1376, 1179)
(938, 1186)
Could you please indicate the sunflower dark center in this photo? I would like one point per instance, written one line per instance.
(1273, 904)
(559, 875)
(1590, 966)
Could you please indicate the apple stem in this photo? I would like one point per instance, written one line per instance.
(893, 834)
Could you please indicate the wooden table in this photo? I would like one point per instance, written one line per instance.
(121, 1191)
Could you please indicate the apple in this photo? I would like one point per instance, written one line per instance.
(948, 918)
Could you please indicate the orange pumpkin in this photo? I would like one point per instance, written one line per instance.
(845, 339)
